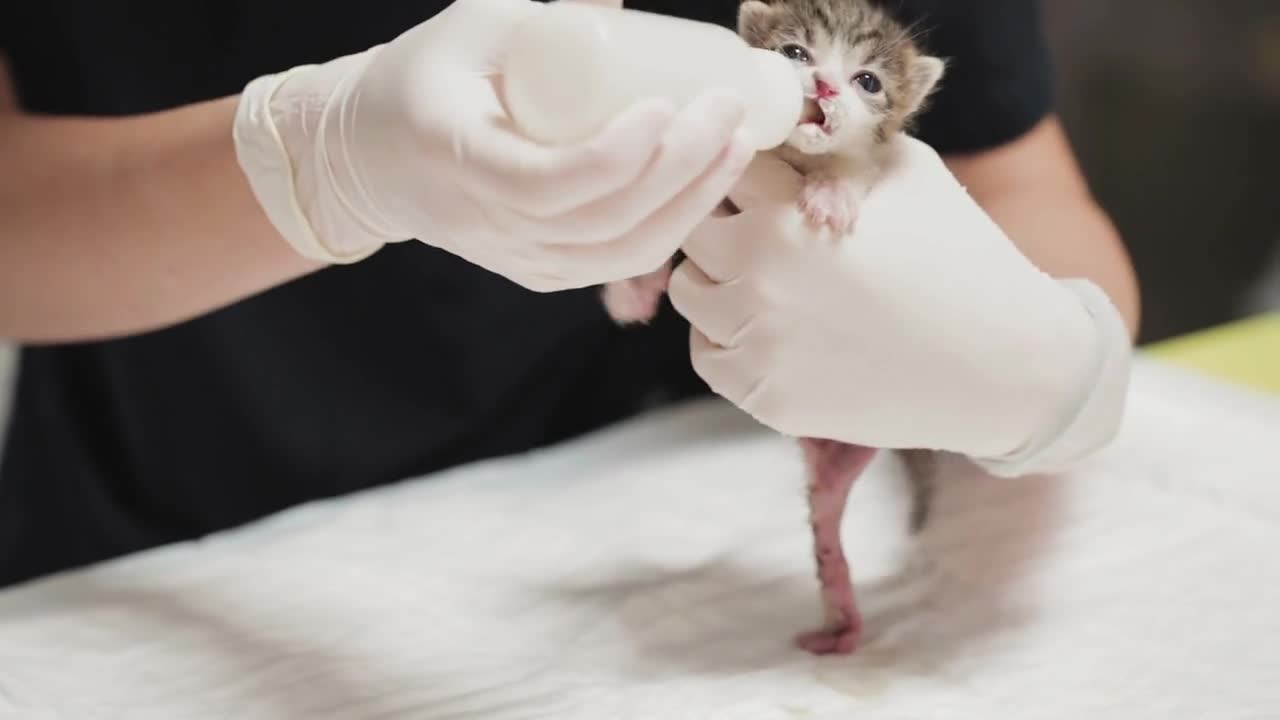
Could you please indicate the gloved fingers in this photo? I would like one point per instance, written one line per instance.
(721, 245)
(509, 262)
(722, 369)
(691, 152)
(544, 282)
(525, 264)
(659, 235)
(500, 166)
(719, 312)
(737, 375)
(523, 251)
(769, 180)
(534, 275)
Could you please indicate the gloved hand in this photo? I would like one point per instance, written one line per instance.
(926, 328)
(410, 140)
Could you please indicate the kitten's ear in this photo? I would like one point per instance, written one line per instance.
(925, 73)
(756, 20)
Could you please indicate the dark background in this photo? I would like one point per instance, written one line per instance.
(1174, 108)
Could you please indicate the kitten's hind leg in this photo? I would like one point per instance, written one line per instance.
(833, 467)
(636, 300)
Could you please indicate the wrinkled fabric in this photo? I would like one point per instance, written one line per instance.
(658, 570)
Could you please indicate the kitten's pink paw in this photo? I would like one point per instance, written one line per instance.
(830, 201)
(830, 641)
(636, 300)
(843, 628)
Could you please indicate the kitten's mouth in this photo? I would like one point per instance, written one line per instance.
(814, 115)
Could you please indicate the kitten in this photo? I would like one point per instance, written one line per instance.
(865, 79)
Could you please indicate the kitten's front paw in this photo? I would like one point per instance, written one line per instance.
(830, 201)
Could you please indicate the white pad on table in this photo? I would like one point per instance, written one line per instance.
(659, 570)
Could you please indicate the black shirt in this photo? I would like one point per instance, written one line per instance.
(408, 362)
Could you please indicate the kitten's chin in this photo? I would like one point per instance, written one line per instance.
(811, 139)
(823, 127)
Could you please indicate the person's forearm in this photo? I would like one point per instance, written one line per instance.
(1032, 188)
(123, 225)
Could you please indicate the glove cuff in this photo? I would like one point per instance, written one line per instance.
(1099, 400)
(272, 173)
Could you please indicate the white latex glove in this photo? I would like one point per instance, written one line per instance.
(926, 328)
(410, 140)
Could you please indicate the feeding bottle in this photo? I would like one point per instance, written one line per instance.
(573, 66)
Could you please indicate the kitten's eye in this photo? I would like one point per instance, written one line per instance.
(795, 52)
(867, 82)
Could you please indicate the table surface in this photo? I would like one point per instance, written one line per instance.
(659, 569)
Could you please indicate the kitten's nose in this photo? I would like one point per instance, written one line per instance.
(825, 89)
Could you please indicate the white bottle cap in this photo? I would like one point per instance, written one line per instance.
(573, 66)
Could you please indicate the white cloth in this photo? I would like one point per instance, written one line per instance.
(658, 570)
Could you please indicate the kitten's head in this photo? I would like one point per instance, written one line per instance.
(863, 74)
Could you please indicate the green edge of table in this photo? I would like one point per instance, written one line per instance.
(1245, 352)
